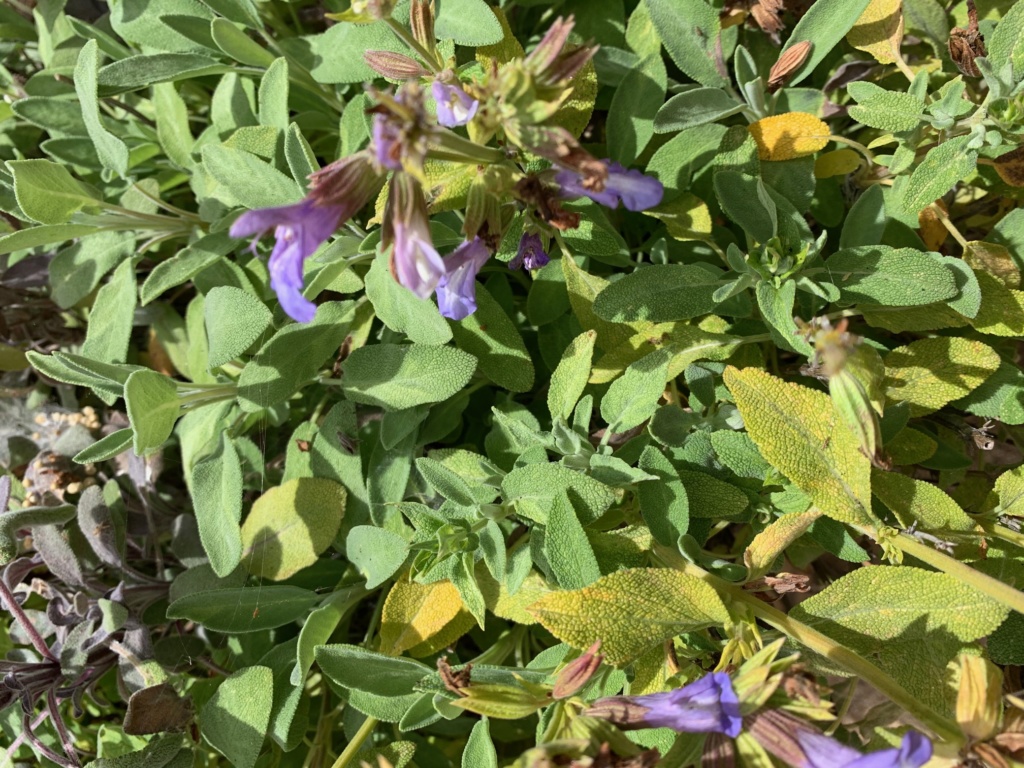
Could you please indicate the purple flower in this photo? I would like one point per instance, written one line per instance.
(708, 705)
(822, 751)
(454, 105)
(299, 230)
(635, 190)
(387, 148)
(456, 291)
(417, 264)
(531, 253)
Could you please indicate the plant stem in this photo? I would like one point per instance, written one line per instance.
(33, 634)
(406, 37)
(1008, 534)
(867, 153)
(997, 590)
(821, 644)
(942, 216)
(66, 741)
(357, 742)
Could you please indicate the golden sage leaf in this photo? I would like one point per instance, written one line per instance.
(838, 162)
(915, 501)
(929, 373)
(773, 540)
(686, 217)
(788, 136)
(1002, 308)
(994, 259)
(630, 611)
(414, 613)
(798, 431)
(879, 30)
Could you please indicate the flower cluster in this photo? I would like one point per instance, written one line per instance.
(404, 136)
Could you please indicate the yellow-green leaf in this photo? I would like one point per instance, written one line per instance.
(505, 50)
(289, 526)
(773, 540)
(583, 289)
(798, 432)
(915, 501)
(879, 30)
(1002, 308)
(630, 611)
(512, 607)
(929, 373)
(784, 137)
(838, 162)
(575, 112)
(1010, 490)
(414, 613)
(686, 217)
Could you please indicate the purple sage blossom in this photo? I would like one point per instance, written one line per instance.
(531, 253)
(456, 291)
(416, 263)
(636, 191)
(708, 705)
(387, 143)
(823, 751)
(454, 106)
(299, 230)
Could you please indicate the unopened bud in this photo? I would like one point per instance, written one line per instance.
(790, 60)
(421, 21)
(719, 752)
(851, 403)
(978, 702)
(551, 45)
(394, 66)
(577, 673)
(778, 731)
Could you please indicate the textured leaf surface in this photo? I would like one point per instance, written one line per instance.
(533, 487)
(917, 501)
(235, 719)
(1002, 308)
(414, 613)
(659, 293)
(799, 433)
(894, 277)
(570, 377)
(941, 168)
(400, 376)
(784, 137)
(629, 611)
(290, 525)
(929, 373)
(879, 30)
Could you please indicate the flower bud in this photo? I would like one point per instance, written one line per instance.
(577, 673)
(965, 45)
(852, 404)
(421, 21)
(394, 66)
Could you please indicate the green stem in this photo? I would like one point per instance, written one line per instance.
(823, 645)
(1008, 534)
(357, 742)
(997, 590)
(451, 146)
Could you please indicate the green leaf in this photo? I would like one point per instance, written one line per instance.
(824, 25)
(111, 151)
(895, 277)
(234, 320)
(397, 376)
(479, 751)
(467, 22)
(138, 72)
(631, 116)
(493, 339)
(632, 398)
(445, 481)
(77, 270)
(1009, 489)
(293, 356)
(664, 503)
(151, 400)
(929, 373)
(571, 376)
(339, 51)
(376, 553)
(915, 501)
(236, 718)
(998, 397)
(532, 488)
(244, 609)
(110, 323)
(1006, 44)
(746, 201)
(941, 168)
(694, 107)
(567, 548)
(13, 521)
(251, 181)
(883, 109)
(172, 127)
(690, 31)
(1002, 309)
(358, 669)
(401, 310)
(105, 448)
(776, 305)
(273, 95)
(186, 264)
(290, 525)
(217, 501)
(238, 45)
(47, 193)
(658, 293)
(32, 237)
(912, 622)
(799, 433)
(630, 611)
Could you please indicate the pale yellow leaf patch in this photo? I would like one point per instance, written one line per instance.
(929, 373)
(686, 217)
(838, 162)
(414, 613)
(879, 30)
(788, 136)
